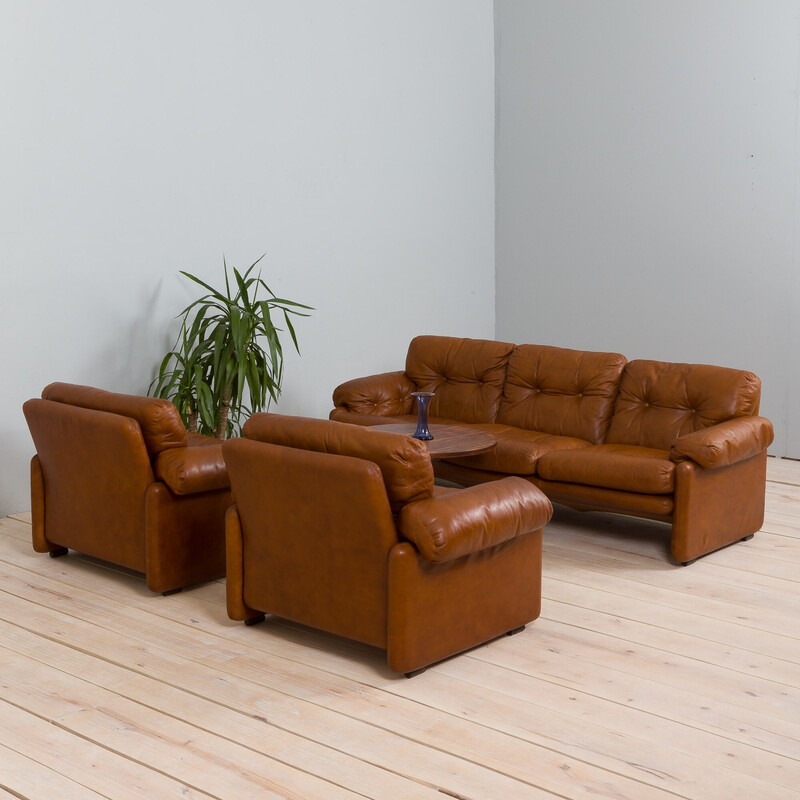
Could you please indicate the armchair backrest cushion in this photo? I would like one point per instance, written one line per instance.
(560, 391)
(96, 472)
(404, 462)
(159, 420)
(660, 401)
(317, 532)
(467, 375)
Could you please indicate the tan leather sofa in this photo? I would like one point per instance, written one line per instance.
(341, 528)
(117, 477)
(680, 443)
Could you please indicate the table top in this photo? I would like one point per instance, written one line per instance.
(449, 441)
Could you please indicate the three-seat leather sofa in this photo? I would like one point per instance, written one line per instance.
(679, 443)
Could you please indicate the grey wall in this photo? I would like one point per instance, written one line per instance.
(646, 171)
(353, 141)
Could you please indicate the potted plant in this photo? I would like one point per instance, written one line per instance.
(227, 362)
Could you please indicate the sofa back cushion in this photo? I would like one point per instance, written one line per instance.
(467, 375)
(159, 420)
(562, 392)
(659, 401)
(404, 462)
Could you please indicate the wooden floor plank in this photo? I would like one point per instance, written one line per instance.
(85, 763)
(186, 753)
(263, 719)
(641, 680)
(505, 755)
(32, 780)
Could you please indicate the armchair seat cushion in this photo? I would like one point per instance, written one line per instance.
(199, 467)
(627, 468)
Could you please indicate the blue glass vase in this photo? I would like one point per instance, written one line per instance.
(422, 432)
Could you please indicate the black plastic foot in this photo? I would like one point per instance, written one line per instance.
(516, 630)
(747, 538)
(62, 551)
(415, 672)
(254, 620)
(172, 591)
(687, 563)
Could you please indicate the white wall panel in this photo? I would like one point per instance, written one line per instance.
(647, 182)
(352, 141)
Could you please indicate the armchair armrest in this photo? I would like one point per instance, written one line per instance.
(384, 395)
(197, 468)
(466, 521)
(725, 443)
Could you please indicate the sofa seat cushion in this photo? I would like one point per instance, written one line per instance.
(518, 450)
(627, 468)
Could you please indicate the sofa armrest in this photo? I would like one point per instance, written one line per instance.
(384, 395)
(197, 468)
(458, 523)
(725, 443)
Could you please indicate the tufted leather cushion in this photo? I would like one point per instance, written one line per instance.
(560, 391)
(613, 466)
(660, 401)
(159, 420)
(467, 375)
(404, 462)
(387, 394)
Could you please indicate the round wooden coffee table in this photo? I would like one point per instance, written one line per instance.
(449, 441)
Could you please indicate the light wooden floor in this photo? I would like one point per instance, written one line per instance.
(641, 681)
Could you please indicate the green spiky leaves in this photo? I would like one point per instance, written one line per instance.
(228, 360)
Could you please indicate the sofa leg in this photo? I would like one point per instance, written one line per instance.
(516, 630)
(687, 563)
(254, 620)
(62, 551)
(747, 538)
(172, 591)
(415, 672)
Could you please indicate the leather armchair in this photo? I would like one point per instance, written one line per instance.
(117, 477)
(341, 528)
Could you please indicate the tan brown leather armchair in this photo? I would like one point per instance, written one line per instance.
(117, 477)
(341, 528)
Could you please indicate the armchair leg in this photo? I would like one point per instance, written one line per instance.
(516, 630)
(61, 551)
(415, 672)
(172, 591)
(743, 539)
(254, 620)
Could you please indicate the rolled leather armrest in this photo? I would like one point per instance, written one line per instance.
(469, 520)
(193, 469)
(725, 443)
(385, 395)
